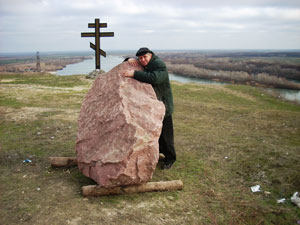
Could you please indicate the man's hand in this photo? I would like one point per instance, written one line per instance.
(128, 73)
(133, 62)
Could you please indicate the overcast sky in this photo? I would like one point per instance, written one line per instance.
(56, 25)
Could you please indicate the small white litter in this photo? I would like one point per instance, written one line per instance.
(295, 199)
(255, 188)
(281, 200)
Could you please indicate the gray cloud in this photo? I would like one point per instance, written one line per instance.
(30, 25)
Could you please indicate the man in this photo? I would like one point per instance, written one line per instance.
(156, 73)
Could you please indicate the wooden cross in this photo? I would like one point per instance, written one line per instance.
(97, 36)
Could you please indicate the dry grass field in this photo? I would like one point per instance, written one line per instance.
(228, 138)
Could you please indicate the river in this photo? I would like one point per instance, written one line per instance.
(86, 66)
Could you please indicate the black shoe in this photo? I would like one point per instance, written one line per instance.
(167, 165)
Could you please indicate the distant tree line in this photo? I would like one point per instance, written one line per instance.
(233, 76)
(253, 66)
(271, 71)
(47, 63)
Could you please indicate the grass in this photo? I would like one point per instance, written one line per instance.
(42, 79)
(227, 138)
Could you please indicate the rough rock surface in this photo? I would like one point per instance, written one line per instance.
(118, 130)
(94, 74)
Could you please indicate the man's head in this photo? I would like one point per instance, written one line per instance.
(144, 55)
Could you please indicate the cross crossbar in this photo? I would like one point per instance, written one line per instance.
(102, 25)
(103, 53)
(103, 34)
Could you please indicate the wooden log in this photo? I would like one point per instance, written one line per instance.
(72, 161)
(96, 191)
(63, 161)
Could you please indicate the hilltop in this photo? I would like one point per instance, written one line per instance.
(228, 138)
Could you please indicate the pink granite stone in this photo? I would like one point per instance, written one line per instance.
(118, 130)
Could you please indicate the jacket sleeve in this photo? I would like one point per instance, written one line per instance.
(155, 77)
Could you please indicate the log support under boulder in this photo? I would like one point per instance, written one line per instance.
(96, 191)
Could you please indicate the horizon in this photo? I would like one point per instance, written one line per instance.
(154, 50)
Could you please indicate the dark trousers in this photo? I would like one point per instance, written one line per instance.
(166, 140)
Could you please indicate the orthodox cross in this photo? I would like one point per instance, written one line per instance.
(97, 36)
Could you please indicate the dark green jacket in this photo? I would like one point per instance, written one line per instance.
(156, 74)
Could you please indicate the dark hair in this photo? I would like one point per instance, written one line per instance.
(143, 51)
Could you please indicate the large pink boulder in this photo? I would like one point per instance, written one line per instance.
(118, 130)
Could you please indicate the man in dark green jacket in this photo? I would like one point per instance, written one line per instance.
(156, 73)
